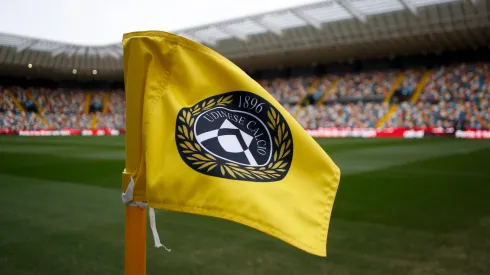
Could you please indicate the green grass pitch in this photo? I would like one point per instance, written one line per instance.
(403, 207)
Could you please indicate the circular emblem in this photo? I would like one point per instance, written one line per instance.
(237, 135)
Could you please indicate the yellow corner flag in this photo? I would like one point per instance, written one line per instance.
(205, 138)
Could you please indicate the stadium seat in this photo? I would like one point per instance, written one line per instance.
(452, 94)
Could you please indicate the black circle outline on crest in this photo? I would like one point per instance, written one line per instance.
(201, 161)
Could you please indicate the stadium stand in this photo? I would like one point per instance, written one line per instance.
(96, 101)
(114, 117)
(6, 103)
(453, 95)
(330, 65)
(287, 91)
(357, 114)
(11, 116)
(62, 109)
(364, 85)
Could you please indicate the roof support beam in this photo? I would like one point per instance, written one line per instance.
(59, 50)
(26, 45)
(270, 27)
(206, 40)
(74, 51)
(102, 52)
(114, 53)
(96, 52)
(409, 5)
(237, 34)
(352, 10)
(118, 50)
(91, 51)
(310, 21)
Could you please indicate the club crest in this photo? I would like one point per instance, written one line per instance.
(237, 135)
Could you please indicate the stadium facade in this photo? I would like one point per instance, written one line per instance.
(314, 58)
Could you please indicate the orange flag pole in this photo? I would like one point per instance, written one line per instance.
(135, 230)
(135, 241)
(135, 224)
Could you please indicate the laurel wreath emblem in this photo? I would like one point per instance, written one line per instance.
(202, 160)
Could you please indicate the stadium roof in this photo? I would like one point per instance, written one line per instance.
(314, 15)
(340, 28)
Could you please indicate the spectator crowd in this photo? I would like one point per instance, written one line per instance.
(115, 116)
(457, 94)
(11, 117)
(453, 95)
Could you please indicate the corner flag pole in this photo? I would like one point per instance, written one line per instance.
(135, 231)
(135, 223)
(135, 241)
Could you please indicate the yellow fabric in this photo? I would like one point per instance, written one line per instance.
(164, 73)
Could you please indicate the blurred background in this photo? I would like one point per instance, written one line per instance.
(396, 91)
